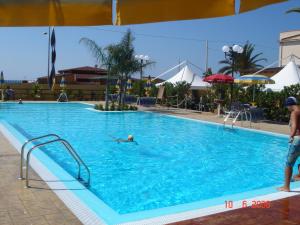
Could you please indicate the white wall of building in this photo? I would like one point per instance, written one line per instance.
(289, 45)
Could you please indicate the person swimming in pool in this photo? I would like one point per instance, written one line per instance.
(130, 138)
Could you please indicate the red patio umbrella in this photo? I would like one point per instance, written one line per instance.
(219, 78)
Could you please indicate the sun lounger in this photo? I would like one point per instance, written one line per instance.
(146, 101)
(130, 99)
(113, 97)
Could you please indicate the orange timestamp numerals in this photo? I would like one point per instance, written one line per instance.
(254, 204)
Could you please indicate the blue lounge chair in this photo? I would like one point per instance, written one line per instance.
(146, 101)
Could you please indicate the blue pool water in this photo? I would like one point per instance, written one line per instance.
(176, 161)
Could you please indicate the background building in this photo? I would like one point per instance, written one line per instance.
(79, 75)
(289, 44)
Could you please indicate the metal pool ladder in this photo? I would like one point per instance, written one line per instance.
(58, 139)
(236, 115)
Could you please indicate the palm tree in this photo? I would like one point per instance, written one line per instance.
(118, 59)
(125, 64)
(296, 10)
(243, 61)
(104, 57)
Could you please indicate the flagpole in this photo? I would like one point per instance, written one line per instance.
(49, 52)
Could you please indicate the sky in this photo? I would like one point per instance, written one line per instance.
(24, 51)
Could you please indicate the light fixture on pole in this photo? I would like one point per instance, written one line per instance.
(231, 53)
(143, 59)
(1, 85)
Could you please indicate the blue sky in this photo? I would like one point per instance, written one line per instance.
(23, 53)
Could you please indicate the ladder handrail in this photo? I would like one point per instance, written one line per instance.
(227, 117)
(235, 119)
(70, 149)
(69, 146)
(26, 143)
(236, 115)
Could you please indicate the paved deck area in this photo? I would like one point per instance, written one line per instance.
(281, 212)
(20, 206)
(211, 117)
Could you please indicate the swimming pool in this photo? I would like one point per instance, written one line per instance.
(175, 163)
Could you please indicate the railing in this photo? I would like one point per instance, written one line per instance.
(23, 149)
(66, 144)
(236, 115)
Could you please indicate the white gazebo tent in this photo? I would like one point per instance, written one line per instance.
(185, 74)
(289, 75)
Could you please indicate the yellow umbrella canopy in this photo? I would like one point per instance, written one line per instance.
(252, 79)
(247, 5)
(149, 11)
(99, 12)
(55, 13)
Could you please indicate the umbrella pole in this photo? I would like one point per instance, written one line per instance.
(253, 96)
(2, 94)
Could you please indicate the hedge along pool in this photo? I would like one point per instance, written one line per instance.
(175, 163)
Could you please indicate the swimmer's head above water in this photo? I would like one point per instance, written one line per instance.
(130, 137)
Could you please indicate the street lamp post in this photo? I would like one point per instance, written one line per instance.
(143, 59)
(230, 54)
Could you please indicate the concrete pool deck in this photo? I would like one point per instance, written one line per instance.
(33, 206)
(211, 117)
(20, 206)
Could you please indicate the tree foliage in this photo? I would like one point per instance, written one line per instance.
(242, 61)
(118, 59)
(102, 56)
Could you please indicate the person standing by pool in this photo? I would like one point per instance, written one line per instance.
(294, 141)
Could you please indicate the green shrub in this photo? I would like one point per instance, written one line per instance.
(112, 107)
(36, 91)
(153, 91)
(126, 107)
(273, 102)
(136, 87)
(132, 108)
(99, 107)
